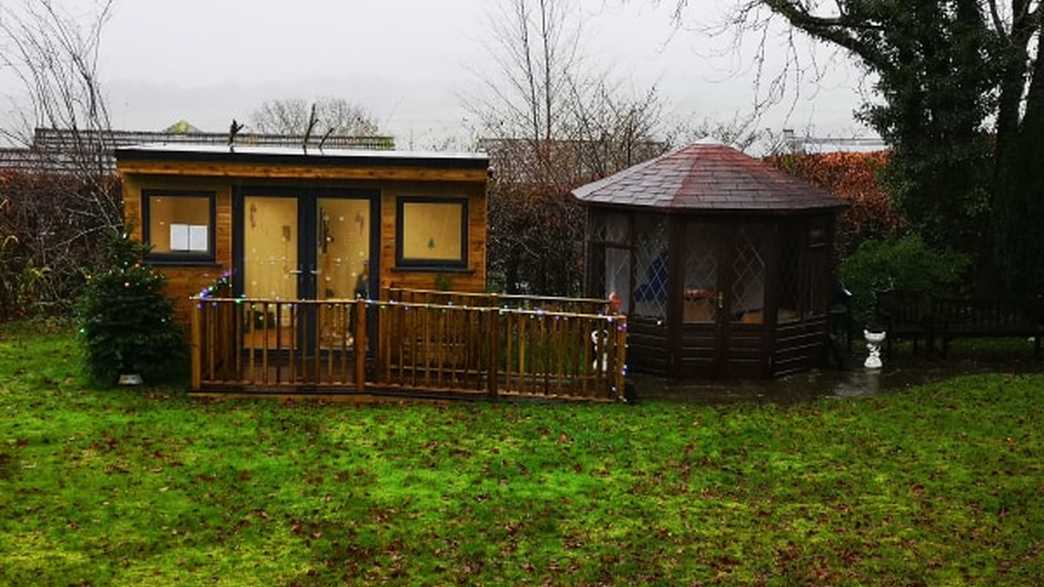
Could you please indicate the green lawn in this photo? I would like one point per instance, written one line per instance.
(942, 484)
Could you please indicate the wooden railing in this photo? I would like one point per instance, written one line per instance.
(406, 347)
(506, 301)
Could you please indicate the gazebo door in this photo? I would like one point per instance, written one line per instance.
(700, 350)
(744, 315)
(722, 301)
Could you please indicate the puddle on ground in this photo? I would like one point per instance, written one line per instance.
(853, 381)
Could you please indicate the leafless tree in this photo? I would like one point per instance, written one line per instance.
(613, 128)
(290, 116)
(63, 199)
(958, 93)
(534, 48)
(55, 56)
(784, 61)
(740, 132)
(551, 123)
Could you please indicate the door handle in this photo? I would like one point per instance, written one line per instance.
(315, 271)
(721, 300)
(295, 272)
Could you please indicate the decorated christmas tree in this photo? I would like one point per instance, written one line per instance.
(126, 322)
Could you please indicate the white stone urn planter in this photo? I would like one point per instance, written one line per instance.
(873, 344)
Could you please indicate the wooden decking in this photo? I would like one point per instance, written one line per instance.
(436, 344)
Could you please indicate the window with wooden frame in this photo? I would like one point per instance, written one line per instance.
(651, 266)
(609, 250)
(179, 225)
(431, 233)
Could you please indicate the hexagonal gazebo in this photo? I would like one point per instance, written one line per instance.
(723, 264)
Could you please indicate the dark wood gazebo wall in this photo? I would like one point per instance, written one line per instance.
(715, 295)
(723, 263)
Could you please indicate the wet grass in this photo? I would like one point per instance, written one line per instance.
(943, 484)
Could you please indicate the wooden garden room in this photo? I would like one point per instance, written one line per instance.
(723, 265)
(352, 272)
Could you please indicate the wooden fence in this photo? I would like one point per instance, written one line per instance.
(406, 347)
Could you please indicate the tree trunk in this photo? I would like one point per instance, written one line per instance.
(1019, 196)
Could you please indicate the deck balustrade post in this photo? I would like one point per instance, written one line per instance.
(494, 358)
(360, 344)
(197, 346)
(620, 364)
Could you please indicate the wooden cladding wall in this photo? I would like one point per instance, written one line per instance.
(747, 351)
(770, 275)
(700, 350)
(186, 280)
(469, 279)
(799, 346)
(649, 346)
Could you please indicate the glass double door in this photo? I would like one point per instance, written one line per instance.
(304, 244)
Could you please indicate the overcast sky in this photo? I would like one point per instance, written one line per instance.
(409, 61)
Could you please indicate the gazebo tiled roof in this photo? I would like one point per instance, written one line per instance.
(707, 176)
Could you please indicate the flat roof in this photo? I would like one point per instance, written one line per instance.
(300, 155)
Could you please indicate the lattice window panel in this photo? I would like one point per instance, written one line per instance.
(611, 228)
(651, 269)
(701, 269)
(598, 227)
(701, 276)
(748, 285)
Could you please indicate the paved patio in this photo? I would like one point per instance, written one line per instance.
(901, 372)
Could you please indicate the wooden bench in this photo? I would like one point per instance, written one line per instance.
(956, 318)
(905, 314)
(913, 315)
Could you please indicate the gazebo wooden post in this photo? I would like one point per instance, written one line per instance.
(675, 287)
(632, 241)
(588, 285)
(829, 277)
(773, 294)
